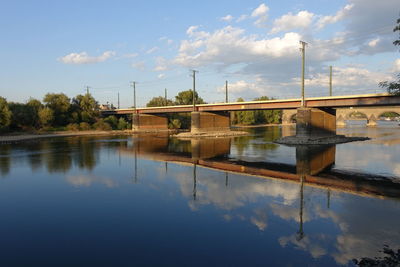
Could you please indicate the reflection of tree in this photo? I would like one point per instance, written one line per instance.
(241, 143)
(391, 258)
(5, 162)
(86, 156)
(34, 150)
(58, 158)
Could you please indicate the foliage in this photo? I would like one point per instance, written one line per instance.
(5, 114)
(393, 87)
(100, 124)
(122, 124)
(60, 105)
(84, 126)
(112, 121)
(85, 108)
(159, 101)
(72, 127)
(391, 258)
(175, 124)
(253, 117)
(186, 98)
(46, 116)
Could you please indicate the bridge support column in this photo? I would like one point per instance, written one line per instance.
(371, 121)
(314, 122)
(287, 115)
(340, 121)
(149, 123)
(210, 121)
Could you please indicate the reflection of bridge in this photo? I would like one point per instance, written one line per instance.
(312, 164)
(317, 116)
(371, 114)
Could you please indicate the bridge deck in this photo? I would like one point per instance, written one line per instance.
(369, 100)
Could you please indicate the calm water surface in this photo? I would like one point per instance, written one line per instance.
(125, 201)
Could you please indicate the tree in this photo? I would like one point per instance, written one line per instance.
(46, 116)
(186, 98)
(393, 87)
(252, 117)
(159, 101)
(5, 114)
(59, 104)
(34, 107)
(84, 108)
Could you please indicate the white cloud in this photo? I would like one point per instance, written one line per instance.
(301, 20)
(213, 48)
(141, 65)
(161, 64)
(261, 13)
(396, 65)
(84, 58)
(168, 41)
(227, 18)
(325, 20)
(161, 76)
(132, 55)
(373, 42)
(152, 50)
(242, 17)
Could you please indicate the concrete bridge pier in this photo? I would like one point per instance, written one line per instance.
(371, 120)
(311, 160)
(149, 122)
(315, 122)
(210, 121)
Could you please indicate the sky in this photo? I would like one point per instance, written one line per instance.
(64, 46)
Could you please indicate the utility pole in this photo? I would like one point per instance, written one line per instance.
(87, 90)
(165, 96)
(118, 100)
(226, 91)
(303, 54)
(133, 84)
(194, 89)
(330, 80)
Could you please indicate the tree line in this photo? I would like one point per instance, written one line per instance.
(56, 112)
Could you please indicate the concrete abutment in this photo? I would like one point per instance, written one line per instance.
(210, 121)
(149, 122)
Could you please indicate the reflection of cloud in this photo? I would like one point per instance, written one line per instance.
(86, 181)
(260, 219)
(314, 245)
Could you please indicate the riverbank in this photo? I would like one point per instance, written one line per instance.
(21, 137)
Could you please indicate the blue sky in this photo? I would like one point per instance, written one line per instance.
(63, 46)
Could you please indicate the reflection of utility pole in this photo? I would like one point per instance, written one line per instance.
(194, 182)
(194, 89)
(328, 196)
(226, 179)
(135, 176)
(303, 54)
(166, 167)
(300, 233)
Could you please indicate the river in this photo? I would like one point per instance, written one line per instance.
(243, 201)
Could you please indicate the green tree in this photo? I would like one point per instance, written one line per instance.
(159, 101)
(112, 121)
(84, 108)
(5, 114)
(393, 87)
(34, 107)
(122, 124)
(46, 116)
(59, 104)
(186, 98)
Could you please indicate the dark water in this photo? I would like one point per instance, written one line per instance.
(135, 201)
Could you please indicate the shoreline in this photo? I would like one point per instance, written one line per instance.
(16, 138)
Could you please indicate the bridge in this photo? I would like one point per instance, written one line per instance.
(315, 117)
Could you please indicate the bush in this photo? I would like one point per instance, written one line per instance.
(84, 126)
(102, 125)
(122, 124)
(73, 127)
(112, 121)
(175, 124)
